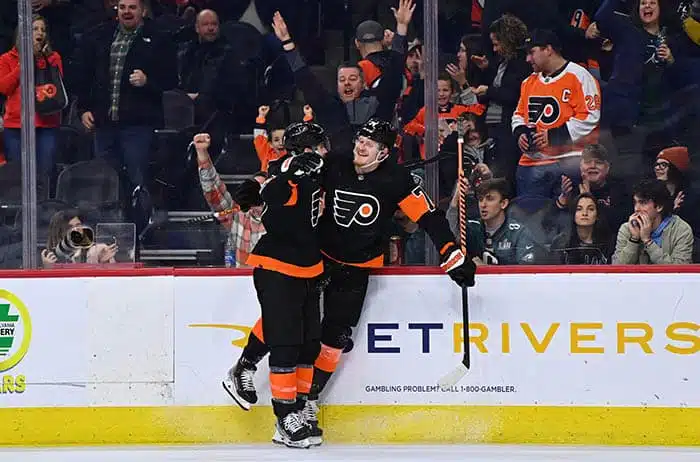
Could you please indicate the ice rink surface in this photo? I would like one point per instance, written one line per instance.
(258, 453)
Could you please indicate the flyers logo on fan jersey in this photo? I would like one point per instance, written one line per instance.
(351, 207)
(543, 109)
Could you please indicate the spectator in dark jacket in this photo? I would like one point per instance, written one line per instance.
(8, 23)
(504, 75)
(123, 71)
(354, 104)
(611, 194)
(652, 95)
(579, 34)
(649, 63)
(200, 63)
(672, 166)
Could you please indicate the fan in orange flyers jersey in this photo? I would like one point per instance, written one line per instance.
(557, 115)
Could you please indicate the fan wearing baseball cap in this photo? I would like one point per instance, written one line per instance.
(370, 42)
(558, 114)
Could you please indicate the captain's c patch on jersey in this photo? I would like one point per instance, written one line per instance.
(351, 207)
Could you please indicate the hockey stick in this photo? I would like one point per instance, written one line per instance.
(213, 216)
(460, 371)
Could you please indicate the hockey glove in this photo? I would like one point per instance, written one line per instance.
(247, 195)
(304, 164)
(458, 266)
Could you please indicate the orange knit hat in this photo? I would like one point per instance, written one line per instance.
(677, 155)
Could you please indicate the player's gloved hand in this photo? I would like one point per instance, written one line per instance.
(304, 164)
(460, 268)
(247, 195)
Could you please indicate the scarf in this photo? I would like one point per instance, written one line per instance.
(656, 234)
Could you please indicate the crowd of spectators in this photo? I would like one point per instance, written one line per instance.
(582, 116)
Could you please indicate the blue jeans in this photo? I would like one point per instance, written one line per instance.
(545, 180)
(414, 248)
(126, 148)
(46, 139)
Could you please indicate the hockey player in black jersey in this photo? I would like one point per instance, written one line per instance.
(362, 192)
(287, 262)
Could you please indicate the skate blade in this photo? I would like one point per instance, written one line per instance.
(231, 390)
(278, 438)
(315, 440)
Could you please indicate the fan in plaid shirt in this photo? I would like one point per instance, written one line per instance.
(245, 228)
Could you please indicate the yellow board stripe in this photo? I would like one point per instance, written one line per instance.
(355, 424)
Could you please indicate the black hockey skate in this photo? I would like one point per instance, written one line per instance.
(292, 431)
(240, 385)
(310, 415)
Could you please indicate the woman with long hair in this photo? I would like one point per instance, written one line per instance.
(589, 240)
(502, 91)
(651, 95)
(62, 222)
(46, 125)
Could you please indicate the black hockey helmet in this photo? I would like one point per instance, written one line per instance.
(378, 130)
(301, 135)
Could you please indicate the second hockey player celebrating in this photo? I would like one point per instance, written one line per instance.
(362, 193)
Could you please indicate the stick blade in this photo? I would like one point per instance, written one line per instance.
(454, 377)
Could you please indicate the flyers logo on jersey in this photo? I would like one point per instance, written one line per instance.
(351, 207)
(316, 208)
(543, 109)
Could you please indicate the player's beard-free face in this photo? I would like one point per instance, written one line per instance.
(366, 152)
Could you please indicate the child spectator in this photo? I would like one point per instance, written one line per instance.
(271, 147)
(447, 113)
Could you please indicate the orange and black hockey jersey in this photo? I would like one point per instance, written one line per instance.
(290, 216)
(263, 148)
(579, 15)
(359, 209)
(449, 113)
(567, 105)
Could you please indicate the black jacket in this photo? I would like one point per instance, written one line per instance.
(508, 94)
(342, 120)
(152, 52)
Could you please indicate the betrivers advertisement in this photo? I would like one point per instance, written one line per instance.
(548, 339)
